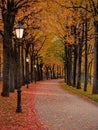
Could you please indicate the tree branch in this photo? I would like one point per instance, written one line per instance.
(1, 33)
(73, 6)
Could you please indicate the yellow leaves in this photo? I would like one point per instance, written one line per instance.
(52, 7)
(52, 49)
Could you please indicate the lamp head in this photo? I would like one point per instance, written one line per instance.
(27, 59)
(19, 30)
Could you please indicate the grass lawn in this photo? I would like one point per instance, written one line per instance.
(80, 92)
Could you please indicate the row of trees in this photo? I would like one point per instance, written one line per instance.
(80, 38)
(77, 58)
(30, 12)
(75, 41)
(12, 11)
(53, 71)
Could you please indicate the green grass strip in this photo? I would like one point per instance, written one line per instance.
(81, 92)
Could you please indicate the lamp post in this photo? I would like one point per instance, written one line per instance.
(35, 73)
(27, 70)
(19, 34)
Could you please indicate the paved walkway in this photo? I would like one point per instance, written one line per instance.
(60, 110)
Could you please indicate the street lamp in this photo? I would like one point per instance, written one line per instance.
(19, 30)
(27, 70)
(19, 34)
(27, 59)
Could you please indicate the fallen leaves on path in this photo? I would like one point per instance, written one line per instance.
(27, 120)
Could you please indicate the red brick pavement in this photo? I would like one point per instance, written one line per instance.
(60, 110)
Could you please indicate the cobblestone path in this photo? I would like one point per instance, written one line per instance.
(60, 110)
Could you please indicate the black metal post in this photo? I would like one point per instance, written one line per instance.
(27, 72)
(19, 33)
(19, 108)
(35, 74)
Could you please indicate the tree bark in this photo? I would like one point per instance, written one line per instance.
(7, 45)
(5, 88)
(95, 82)
(8, 17)
(70, 65)
(65, 64)
(74, 65)
(79, 65)
(86, 57)
(22, 66)
(12, 75)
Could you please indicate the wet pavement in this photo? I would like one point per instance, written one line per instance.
(60, 110)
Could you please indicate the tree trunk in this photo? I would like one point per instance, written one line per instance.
(95, 82)
(53, 69)
(6, 55)
(7, 45)
(22, 66)
(74, 65)
(69, 65)
(65, 64)
(79, 65)
(86, 59)
(8, 16)
(90, 71)
(12, 75)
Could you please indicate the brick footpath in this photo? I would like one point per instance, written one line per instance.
(60, 110)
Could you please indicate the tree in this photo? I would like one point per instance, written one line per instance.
(9, 9)
(92, 9)
(8, 16)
